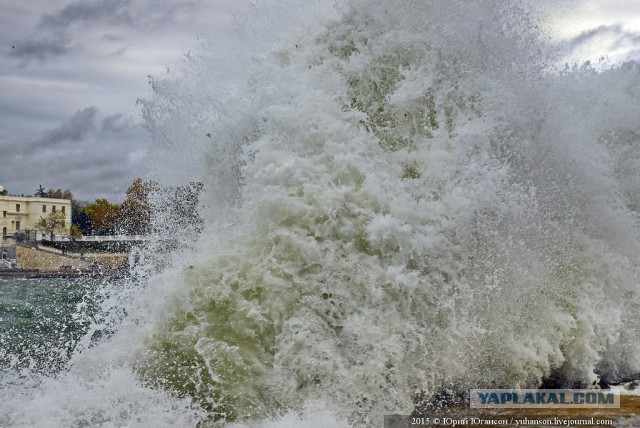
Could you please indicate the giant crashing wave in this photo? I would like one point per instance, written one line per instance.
(407, 198)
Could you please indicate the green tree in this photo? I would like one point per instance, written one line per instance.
(53, 193)
(59, 194)
(52, 223)
(135, 213)
(104, 216)
(40, 192)
(75, 231)
(80, 218)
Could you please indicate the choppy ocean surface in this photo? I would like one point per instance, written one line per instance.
(41, 321)
(401, 200)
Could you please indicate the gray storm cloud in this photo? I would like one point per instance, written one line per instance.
(616, 34)
(70, 74)
(109, 11)
(59, 33)
(75, 129)
(87, 154)
(116, 123)
(40, 49)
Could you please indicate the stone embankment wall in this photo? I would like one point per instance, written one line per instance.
(48, 261)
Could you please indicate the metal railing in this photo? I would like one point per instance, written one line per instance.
(98, 238)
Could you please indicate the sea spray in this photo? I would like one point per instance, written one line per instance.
(420, 200)
(401, 200)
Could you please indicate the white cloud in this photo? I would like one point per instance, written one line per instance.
(597, 28)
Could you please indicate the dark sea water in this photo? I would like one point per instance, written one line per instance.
(41, 321)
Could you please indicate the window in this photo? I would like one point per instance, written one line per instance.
(4, 213)
(17, 208)
(53, 209)
(17, 225)
(63, 209)
(44, 208)
(4, 231)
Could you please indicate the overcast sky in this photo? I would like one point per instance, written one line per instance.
(70, 74)
(72, 70)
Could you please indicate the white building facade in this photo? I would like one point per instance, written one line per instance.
(22, 214)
